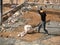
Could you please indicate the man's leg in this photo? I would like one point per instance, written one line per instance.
(40, 25)
(44, 26)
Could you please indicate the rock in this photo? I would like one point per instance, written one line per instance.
(2, 28)
(3, 25)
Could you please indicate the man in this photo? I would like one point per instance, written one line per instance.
(27, 29)
(43, 20)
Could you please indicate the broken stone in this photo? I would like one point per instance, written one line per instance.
(8, 23)
(16, 14)
(2, 28)
(59, 24)
(36, 6)
(23, 34)
(18, 35)
(9, 18)
(3, 25)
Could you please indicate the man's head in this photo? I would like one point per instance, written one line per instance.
(41, 11)
(41, 8)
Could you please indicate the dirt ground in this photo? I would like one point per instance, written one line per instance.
(33, 19)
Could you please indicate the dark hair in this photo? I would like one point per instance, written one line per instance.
(41, 8)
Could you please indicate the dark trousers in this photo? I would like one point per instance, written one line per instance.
(43, 24)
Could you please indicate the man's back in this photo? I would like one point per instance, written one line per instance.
(42, 14)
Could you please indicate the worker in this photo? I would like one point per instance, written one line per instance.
(42, 13)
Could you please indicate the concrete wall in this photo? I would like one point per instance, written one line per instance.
(14, 1)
